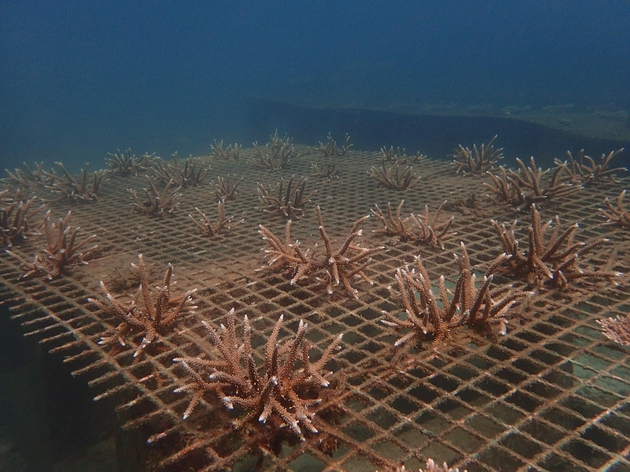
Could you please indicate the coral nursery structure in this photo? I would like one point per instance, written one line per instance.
(470, 367)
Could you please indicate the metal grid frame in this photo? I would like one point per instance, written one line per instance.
(551, 395)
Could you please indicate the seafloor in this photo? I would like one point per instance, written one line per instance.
(550, 395)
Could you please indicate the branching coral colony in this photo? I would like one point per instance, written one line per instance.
(276, 154)
(61, 252)
(521, 189)
(330, 149)
(213, 229)
(126, 163)
(233, 151)
(280, 392)
(190, 174)
(584, 170)
(424, 228)
(547, 261)
(468, 305)
(150, 313)
(479, 160)
(339, 267)
(225, 188)
(14, 214)
(289, 202)
(391, 176)
(618, 216)
(157, 203)
(84, 190)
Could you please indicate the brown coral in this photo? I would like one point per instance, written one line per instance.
(478, 160)
(546, 260)
(425, 229)
(61, 252)
(339, 267)
(468, 305)
(150, 313)
(279, 389)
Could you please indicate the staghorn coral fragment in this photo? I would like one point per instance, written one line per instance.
(14, 216)
(276, 154)
(125, 163)
(338, 267)
(190, 174)
(616, 329)
(61, 252)
(528, 186)
(225, 188)
(278, 388)
(478, 160)
(83, 190)
(232, 152)
(393, 177)
(426, 229)
(584, 170)
(157, 203)
(150, 313)
(548, 260)
(289, 201)
(433, 317)
(213, 229)
(330, 149)
(617, 216)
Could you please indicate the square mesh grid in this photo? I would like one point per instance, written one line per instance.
(550, 395)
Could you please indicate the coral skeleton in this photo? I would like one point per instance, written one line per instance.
(225, 188)
(423, 229)
(618, 216)
(552, 260)
(210, 229)
(157, 203)
(478, 160)
(288, 201)
(84, 189)
(276, 154)
(126, 163)
(61, 252)
(190, 174)
(616, 329)
(233, 151)
(151, 313)
(280, 390)
(391, 176)
(339, 266)
(14, 214)
(468, 305)
(330, 149)
(584, 170)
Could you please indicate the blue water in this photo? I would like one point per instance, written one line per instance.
(81, 78)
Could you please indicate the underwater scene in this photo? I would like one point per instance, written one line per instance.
(339, 236)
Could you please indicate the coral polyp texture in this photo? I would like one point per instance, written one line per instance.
(338, 267)
(150, 313)
(428, 316)
(280, 391)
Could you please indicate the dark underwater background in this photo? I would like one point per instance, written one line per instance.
(79, 79)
